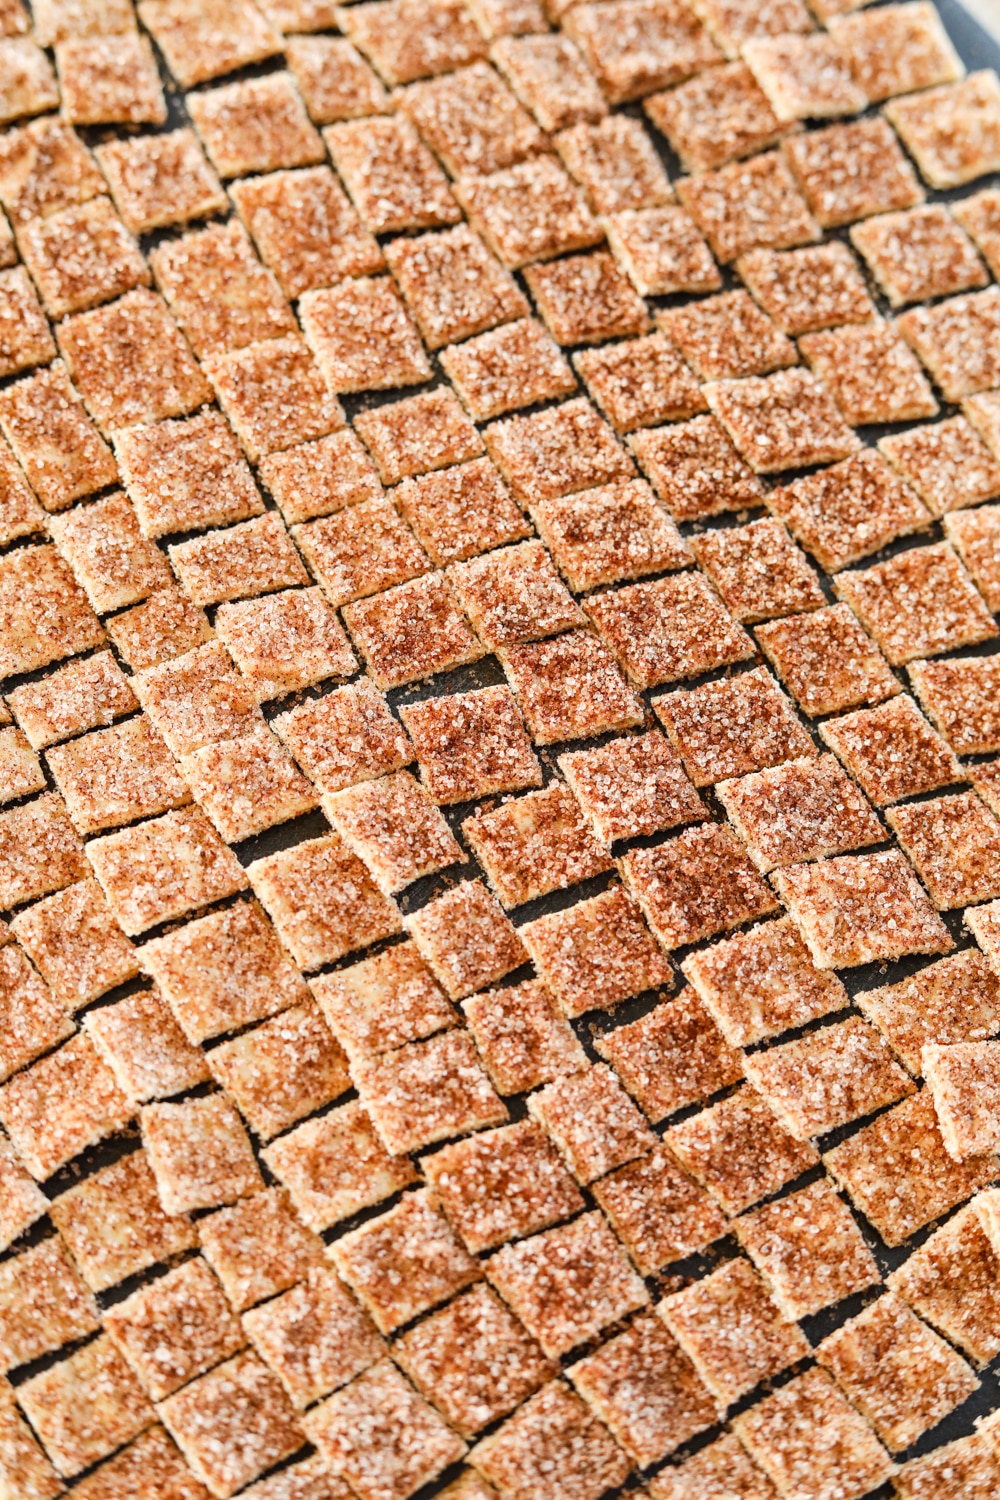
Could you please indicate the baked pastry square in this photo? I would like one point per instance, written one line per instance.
(44, 166)
(24, 1203)
(285, 642)
(256, 125)
(393, 179)
(348, 735)
(592, 1121)
(513, 595)
(640, 382)
(738, 1151)
(521, 1037)
(657, 1211)
(804, 76)
(461, 512)
(85, 1406)
(904, 50)
(853, 171)
(557, 451)
(360, 550)
(804, 809)
(335, 81)
(918, 603)
(809, 1250)
(53, 439)
(615, 163)
(749, 205)
(759, 571)
(471, 120)
(78, 258)
(952, 132)
(672, 1056)
(632, 786)
(651, 49)
(220, 293)
(208, 40)
(392, 825)
(186, 475)
(975, 535)
(255, 557)
(953, 842)
(116, 775)
(110, 80)
(29, 83)
(362, 336)
(509, 367)
(34, 1018)
(198, 699)
(550, 77)
(306, 228)
(415, 38)
(274, 396)
(62, 1104)
(553, 1432)
(892, 751)
(528, 212)
(453, 286)
(466, 939)
(314, 1336)
(20, 769)
(87, 692)
(40, 850)
(827, 661)
(953, 1000)
(948, 465)
(383, 1002)
(411, 631)
(958, 341)
(427, 1091)
(727, 337)
(76, 944)
(787, 420)
(969, 1461)
(731, 727)
(570, 688)
(258, 1247)
(536, 844)
(803, 290)
(662, 250)
(951, 1282)
(585, 299)
(962, 1078)
(919, 254)
(160, 180)
(25, 339)
(336, 1165)
(110, 557)
(46, 613)
(148, 1053)
(316, 478)
(199, 1152)
(870, 372)
(719, 115)
(669, 629)
(960, 697)
(282, 1070)
(175, 1328)
(43, 1303)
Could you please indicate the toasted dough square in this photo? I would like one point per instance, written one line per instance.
(345, 737)
(749, 205)
(285, 642)
(335, 81)
(958, 341)
(383, 1002)
(360, 550)
(952, 1282)
(76, 944)
(849, 510)
(695, 469)
(314, 1337)
(595, 953)
(954, 843)
(425, 432)
(427, 1091)
(553, 1433)
(258, 1247)
(280, 1071)
(144, 1047)
(471, 120)
(108, 553)
(404, 1262)
(78, 257)
(40, 850)
(24, 1203)
(731, 1331)
(20, 769)
(870, 372)
(209, 39)
(649, 46)
(975, 535)
(152, 1459)
(274, 396)
(116, 775)
(46, 614)
(787, 420)
(850, 172)
(521, 1038)
(805, 77)
(614, 162)
(20, 513)
(632, 786)
(45, 166)
(253, 558)
(25, 338)
(716, 117)
(570, 688)
(220, 293)
(415, 38)
(827, 661)
(672, 1056)
(33, 1018)
(86, 1406)
(592, 1121)
(393, 179)
(961, 698)
(953, 1000)
(979, 216)
(256, 125)
(539, 843)
(918, 603)
(738, 1151)
(306, 229)
(695, 885)
(26, 79)
(163, 627)
(529, 212)
(509, 367)
(759, 571)
(502, 1184)
(392, 825)
(43, 1304)
(549, 75)
(609, 533)
(320, 477)
(460, 512)
(466, 939)
(657, 1211)
(809, 1434)
(804, 290)
(60, 20)
(905, 49)
(497, 18)
(363, 337)
(381, 1435)
(567, 1283)
(808, 1249)
(232, 1423)
(198, 699)
(108, 80)
(640, 381)
(724, 1463)
(804, 809)
(970, 1462)
(920, 254)
(948, 465)
(159, 180)
(514, 595)
(661, 251)
(411, 632)
(175, 1328)
(962, 1078)
(892, 751)
(727, 337)
(199, 1153)
(952, 132)
(61, 1105)
(667, 630)
(827, 1078)
(336, 1165)
(761, 983)
(453, 286)
(85, 693)
(585, 299)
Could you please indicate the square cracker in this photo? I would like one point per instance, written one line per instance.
(962, 1078)
(970, 1462)
(43, 1303)
(610, 533)
(632, 786)
(144, 1047)
(40, 850)
(471, 745)
(950, 466)
(592, 1121)
(280, 1071)
(585, 299)
(506, 368)
(595, 952)
(25, 339)
(211, 38)
(809, 1250)
(461, 512)
(59, 1106)
(258, 1247)
(24, 1203)
(640, 382)
(317, 478)
(723, 1463)
(918, 603)
(104, 546)
(346, 736)
(737, 725)
(668, 629)
(46, 613)
(85, 1406)
(738, 1151)
(113, 776)
(411, 631)
(76, 944)
(952, 1282)
(870, 372)
(726, 337)
(919, 254)
(759, 571)
(502, 1184)
(198, 699)
(29, 84)
(827, 661)
(788, 420)
(975, 535)
(644, 48)
(954, 842)
(453, 285)
(164, 626)
(695, 469)
(33, 1018)
(958, 341)
(107, 80)
(802, 290)
(548, 75)
(199, 1152)
(891, 751)
(961, 698)
(828, 1077)
(529, 212)
(218, 290)
(570, 688)
(955, 999)
(306, 228)
(256, 125)
(252, 558)
(672, 1056)
(852, 171)
(53, 439)
(383, 1002)
(615, 163)
(363, 337)
(718, 116)
(175, 1328)
(336, 1165)
(471, 120)
(662, 250)
(44, 166)
(556, 452)
(804, 809)
(415, 38)
(335, 80)
(521, 1038)
(898, 52)
(360, 550)
(394, 828)
(952, 132)
(78, 258)
(285, 642)
(159, 180)
(394, 181)
(657, 1211)
(805, 77)
(554, 1432)
(427, 1091)
(274, 396)
(539, 843)
(697, 884)
(314, 1336)
(85, 693)
(466, 939)
(425, 432)
(748, 206)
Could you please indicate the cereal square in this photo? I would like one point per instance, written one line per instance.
(695, 469)
(969, 1461)
(197, 699)
(256, 125)
(871, 373)
(45, 166)
(258, 1247)
(25, 338)
(958, 341)
(392, 825)
(948, 465)
(669, 629)
(592, 1121)
(514, 595)
(632, 787)
(962, 1079)
(210, 38)
(568, 1283)
(954, 843)
(110, 80)
(595, 953)
(803, 290)
(383, 1002)
(640, 381)
(548, 74)
(76, 944)
(78, 257)
(759, 571)
(335, 81)
(255, 557)
(40, 850)
(305, 228)
(317, 478)
(411, 632)
(535, 844)
(460, 512)
(522, 1039)
(116, 775)
(163, 627)
(570, 688)
(727, 337)
(609, 533)
(315, 1337)
(804, 809)
(33, 1018)
(762, 982)
(553, 1434)
(804, 77)
(978, 216)
(961, 698)
(285, 642)
(336, 1165)
(905, 49)
(43, 1304)
(27, 82)
(414, 38)
(471, 120)
(274, 396)
(160, 180)
(920, 254)
(731, 727)
(732, 1331)
(891, 751)
(585, 299)
(509, 367)
(952, 132)
(739, 1152)
(108, 553)
(427, 1091)
(144, 1047)
(809, 1250)
(918, 603)
(62, 1104)
(219, 292)
(953, 1000)
(787, 420)
(85, 1406)
(615, 163)
(471, 745)
(425, 432)
(849, 510)
(199, 1152)
(393, 179)
(53, 439)
(827, 661)
(646, 45)
(672, 1056)
(721, 1468)
(716, 117)
(657, 1211)
(951, 1281)
(696, 885)
(360, 550)
(175, 1328)
(453, 286)
(748, 205)
(850, 172)
(661, 250)
(45, 612)
(346, 736)
(362, 336)
(529, 212)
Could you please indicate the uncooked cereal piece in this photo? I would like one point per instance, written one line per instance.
(335, 1165)
(62, 1104)
(43, 1304)
(827, 1078)
(114, 1225)
(53, 439)
(585, 299)
(592, 1121)
(570, 688)
(40, 850)
(595, 953)
(257, 125)
(108, 80)
(849, 510)
(716, 117)
(803, 809)
(116, 775)
(425, 432)
(870, 372)
(548, 74)
(958, 341)
(805, 77)
(827, 661)
(76, 944)
(363, 337)
(962, 1078)
(175, 1328)
(567, 1283)
(892, 751)
(952, 1282)
(460, 512)
(953, 1000)
(84, 694)
(199, 1153)
(614, 162)
(20, 769)
(850, 172)
(919, 254)
(961, 698)
(394, 827)
(471, 745)
(383, 1002)
(721, 1468)
(258, 1246)
(672, 1056)
(747, 205)
(809, 1250)
(512, 366)
(232, 1423)
(632, 786)
(414, 38)
(954, 842)
(535, 844)
(45, 613)
(952, 132)
(970, 1462)
(898, 51)
(427, 1091)
(274, 396)
(802, 290)
(45, 166)
(667, 630)
(220, 293)
(306, 229)
(25, 339)
(514, 595)
(144, 1047)
(529, 212)
(360, 550)
(453, 286)
(344, 737)
(285, 642)
(948, 465)
(521, 1038)
(404, 1262)
(158, 180)
(975, 535)
(471, 120)
(207, 38)
(33, 1018)
(164, 868)
(553, 1434)
(393, 179)
(640, 381)
(731, 1331)
(695, 469)
(85, 1406)
(335, 80)
(23, 1202)
(662, 251)
(198, 699)
(979, 216)
(918, 603)
(787, 420)
(317, 478)
(739, 1151)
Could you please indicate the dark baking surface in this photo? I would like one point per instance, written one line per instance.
(978, 50)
